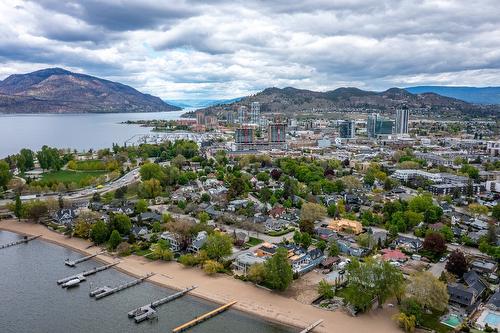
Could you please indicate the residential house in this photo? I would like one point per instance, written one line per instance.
(408, 244)
(65, 216)
(173, 239)
(198, 242)
(467, 294)
(244, 261)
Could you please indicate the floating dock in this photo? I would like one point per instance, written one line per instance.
(81, 276)
(73, 263)
(204, 317)
(312, 326)
(21, 241)
(148, 311)
(106, 291)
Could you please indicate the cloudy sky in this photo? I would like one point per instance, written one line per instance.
(190, 49)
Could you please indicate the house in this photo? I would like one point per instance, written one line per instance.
(350, 248)
(275, 225)
(325, 233)
(277, 212)
(198, 242)
(148, 217)
(139, 232)
(173, 239)
(65, 216)
(483, 266)
(244, 261)
(345, 225)
(467, 294)
(393, 255)
(408, 244)
(328, 263)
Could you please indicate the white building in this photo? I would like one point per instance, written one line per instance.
(402, 118)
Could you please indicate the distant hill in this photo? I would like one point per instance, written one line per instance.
(486, 95)
(55, 90)
(201, 103)
(292, 100)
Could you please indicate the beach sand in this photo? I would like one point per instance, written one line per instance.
(222, 288)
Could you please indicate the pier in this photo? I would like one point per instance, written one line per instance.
(311, 327)
(204, 317)
(21, 241)
(81, 276)
(106, 291)
(73, 263)
(148, 311)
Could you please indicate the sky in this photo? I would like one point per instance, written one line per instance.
(190, 49)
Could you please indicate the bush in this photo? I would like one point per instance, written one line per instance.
(211, 267)
(123, 249)
(188, 260)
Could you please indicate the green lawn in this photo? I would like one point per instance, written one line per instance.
(281, 232)
(67, 176)
(431, 321)
(254, 241)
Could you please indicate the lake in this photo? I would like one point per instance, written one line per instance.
(31, 301)
(75, 131)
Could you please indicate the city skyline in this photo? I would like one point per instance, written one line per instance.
(192, 50)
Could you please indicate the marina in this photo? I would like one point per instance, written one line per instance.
(82, 276)
(148, 311)
(73, 263)
(24, 240)
(106, 291)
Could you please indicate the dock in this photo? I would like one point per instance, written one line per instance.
(203, 317)
(73, 263)
(312, 326)
(21, 241)
(82, 275)
(106, 291)
(148, 311)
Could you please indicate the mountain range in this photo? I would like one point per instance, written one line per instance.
(483, 95)
(201, 103)
(55, 90)
(292, 100)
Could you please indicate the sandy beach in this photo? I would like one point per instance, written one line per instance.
(223, 288)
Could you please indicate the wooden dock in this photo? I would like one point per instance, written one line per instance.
(25, 240)
(148, 311)
(204, 317)
(86, 273)
(312, 326)
(73, 263)
(106, 291)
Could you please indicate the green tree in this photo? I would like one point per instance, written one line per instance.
(434, 243)
(321, 245)
(150, 189)
(279, 272)
(5, 174)
(263, 177)
(211, 267)
(18, 208)
(257, 273)
(406, 322)
(371, 280)
(37, 209)
(25, 160)
(141, 206)
(122, 223)
(161, 250)
(218, 246)
(496, 212)
(99, 232)
(325, 290)
(203, 217)
(428, 291)
(332, 210)
(311, 212)
(114, 239)
(151, 171)
(305, 240)
(333, 249)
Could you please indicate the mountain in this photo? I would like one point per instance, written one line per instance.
(55, 90)
(485, 95)
(201, 103)
(293, 100)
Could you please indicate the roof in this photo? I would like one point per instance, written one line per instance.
(495, 299)
(388, 254)
(474, 281)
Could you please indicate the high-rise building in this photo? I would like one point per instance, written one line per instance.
(244, 135)
(200, 118)
(402, 118)
(377, 125)
(255, 113)
(230, 117)
(347, 129)
(277, 133)
(242, 114)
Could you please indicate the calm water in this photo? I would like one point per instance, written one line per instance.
(75, 131)
(31, 301)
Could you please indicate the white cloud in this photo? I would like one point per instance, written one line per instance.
(191, 49)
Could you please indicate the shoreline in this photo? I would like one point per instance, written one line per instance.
(253, 301)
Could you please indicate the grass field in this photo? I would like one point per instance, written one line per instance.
(67, 176)
(254, 241)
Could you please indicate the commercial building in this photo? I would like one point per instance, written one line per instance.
(402, 118)
(277, 133)
(244, 135)
(347, 129)
(378, 126)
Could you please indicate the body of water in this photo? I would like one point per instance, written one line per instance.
(31, 301)
(75, 131)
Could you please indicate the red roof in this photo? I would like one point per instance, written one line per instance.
(395, 255)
